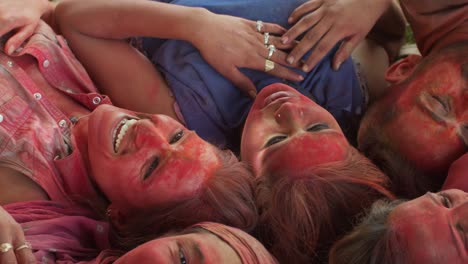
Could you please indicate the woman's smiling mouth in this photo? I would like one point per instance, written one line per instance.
(120, 131)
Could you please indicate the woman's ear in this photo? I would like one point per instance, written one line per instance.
(402, 69)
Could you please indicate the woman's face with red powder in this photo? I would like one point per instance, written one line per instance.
(287, 131)
(434, 227)
(143, 161)
(430, 114)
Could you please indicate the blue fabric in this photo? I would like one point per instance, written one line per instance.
(214, 107)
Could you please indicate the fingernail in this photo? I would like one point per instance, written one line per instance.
(300, 77)
(305, 68)
(290, 20)
(11, 50)
(284, 40)
(252, 94)
(290, 59)
(337, 66)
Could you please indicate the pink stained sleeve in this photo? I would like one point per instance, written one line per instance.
(437, 23)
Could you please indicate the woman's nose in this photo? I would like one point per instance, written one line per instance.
(289, 115)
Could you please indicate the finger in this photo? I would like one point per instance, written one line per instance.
(273, 28)
(285, 73)
(320, 50)
(306, 23)
(308, 42)
(24, 255)
(279, 70)
(242, 82)
(279, 57)
(274, 40)
(19, 38)
(8, 257)
(303, 9)
(345, 50)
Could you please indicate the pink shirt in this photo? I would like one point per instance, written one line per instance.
(435, 24)
(34, 131)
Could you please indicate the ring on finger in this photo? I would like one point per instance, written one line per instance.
(271, 50)
(5, 247)
(23, 246)
(269, 65)
(259, 26)
(266, 37)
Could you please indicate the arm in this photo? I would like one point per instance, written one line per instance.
(437, 23)
(389, 30)
(22, 16)
(326, 22)
(227, 43)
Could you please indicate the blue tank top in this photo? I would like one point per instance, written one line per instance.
(213, 107)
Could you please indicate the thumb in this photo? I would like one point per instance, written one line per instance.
(345, 50)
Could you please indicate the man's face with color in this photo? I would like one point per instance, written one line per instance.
(427, 114)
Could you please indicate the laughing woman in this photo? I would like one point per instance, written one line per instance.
(60, 140)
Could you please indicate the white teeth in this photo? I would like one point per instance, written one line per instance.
(125, 125)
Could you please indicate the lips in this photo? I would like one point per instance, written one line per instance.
(120, 131)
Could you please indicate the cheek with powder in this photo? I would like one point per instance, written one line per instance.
(307, 152)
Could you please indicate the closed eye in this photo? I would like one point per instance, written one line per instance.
(445, 200)
(152, 166)
(275, 140)
(440, 106)
(177, 136)
(318, 127)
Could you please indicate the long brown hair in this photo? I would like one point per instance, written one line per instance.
(227, 198)
(300, 217)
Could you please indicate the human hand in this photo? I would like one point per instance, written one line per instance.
(228, 43)
(22, 16)
(325, 23)
(12, 238)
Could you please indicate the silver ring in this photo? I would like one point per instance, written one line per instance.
(269, 65)
(259, 26)
(5, 247)
(25, 245)
(271, 50)
(266, 37)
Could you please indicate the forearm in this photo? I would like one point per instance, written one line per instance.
(120, 19)
(389, 30)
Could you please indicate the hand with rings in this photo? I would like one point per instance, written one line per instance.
(13, 246)
(230, 43)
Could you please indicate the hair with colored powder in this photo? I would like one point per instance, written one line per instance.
(227, 197)
(407, 180)
(302, 215)
(372, 241)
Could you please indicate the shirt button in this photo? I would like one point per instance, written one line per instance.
(96, 100)
(1, 118)
(10, 64)
(38, 96)
(46, 63)
(62, 123)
